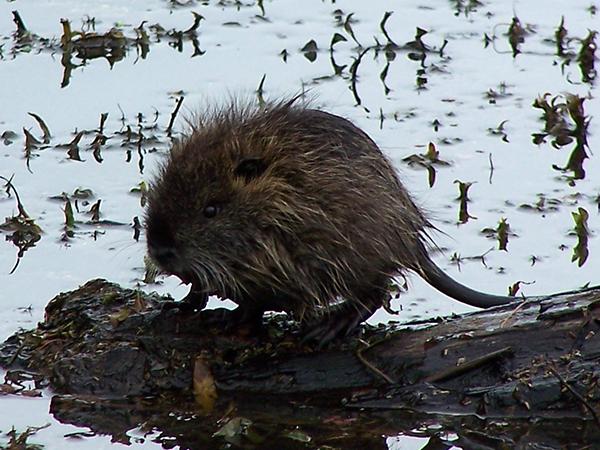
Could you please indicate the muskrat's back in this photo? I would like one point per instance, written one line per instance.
(284, 208)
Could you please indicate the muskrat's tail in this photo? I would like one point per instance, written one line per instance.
(437, 278)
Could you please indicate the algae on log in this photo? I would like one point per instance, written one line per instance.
(483, 375)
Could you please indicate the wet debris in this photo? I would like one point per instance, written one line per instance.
(581, 231)
(174, 115)
(142, 190)
(284, 55)
(82, 215)
(18, 441)
(68, 231)
(137, 229)
(501, 233)
(465, 7)
(21, 28)
(463, 199)
(24, 41)
(31, 144)
(347, 25)
(560, 36)
(492, 95)
(151, 271)
(8, 137)
(516, 34)
(96, 147)
(338, 70)
(112, 45)
(143, 135)
(499, 131)
(584, 56)
(72, 147)
(77, 47)
(513, 289)
(543, 204)
(310, 50)
(21, 383)
(205, 390)
(260, 91)
(428, 160)
(45, 130)
(94, 211)
(415, 50)
(566, 122)
(21, 229)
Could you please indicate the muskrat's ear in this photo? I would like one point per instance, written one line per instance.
(250, 168)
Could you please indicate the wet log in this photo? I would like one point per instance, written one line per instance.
(534, 359)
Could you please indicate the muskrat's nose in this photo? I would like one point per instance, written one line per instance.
(163, 255)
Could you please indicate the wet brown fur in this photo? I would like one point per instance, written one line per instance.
(311, 213)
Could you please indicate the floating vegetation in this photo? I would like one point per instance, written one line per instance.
(501, 92)
(348, 28)
(151, 270)
(8, 137)
(310, 50)
(513, 289)
(137, 229)
(542, 205)
(143, 135)
(581, 230)
(427, 160)
(501, 233)
(174, 115)
(18, 441)
(516, 34)
(463, 198)
(585, 56)
(458, 259)
(465, 7)
(142, 190)
(68, 231)
(499, 131)
(565, 121)
(22, 229)
(44, 128)
(82, 215)
(560, 36)
(79, 47)
(112, 45)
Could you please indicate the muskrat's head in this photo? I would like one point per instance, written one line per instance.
(218, 204)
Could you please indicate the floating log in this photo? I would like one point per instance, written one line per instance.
(505, 376)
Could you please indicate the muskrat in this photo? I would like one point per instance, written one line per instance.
(281, 207)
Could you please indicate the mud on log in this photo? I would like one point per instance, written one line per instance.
(537, 359)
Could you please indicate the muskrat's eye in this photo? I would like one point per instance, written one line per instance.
(210, 211)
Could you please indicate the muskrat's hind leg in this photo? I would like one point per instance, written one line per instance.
(343, 320)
